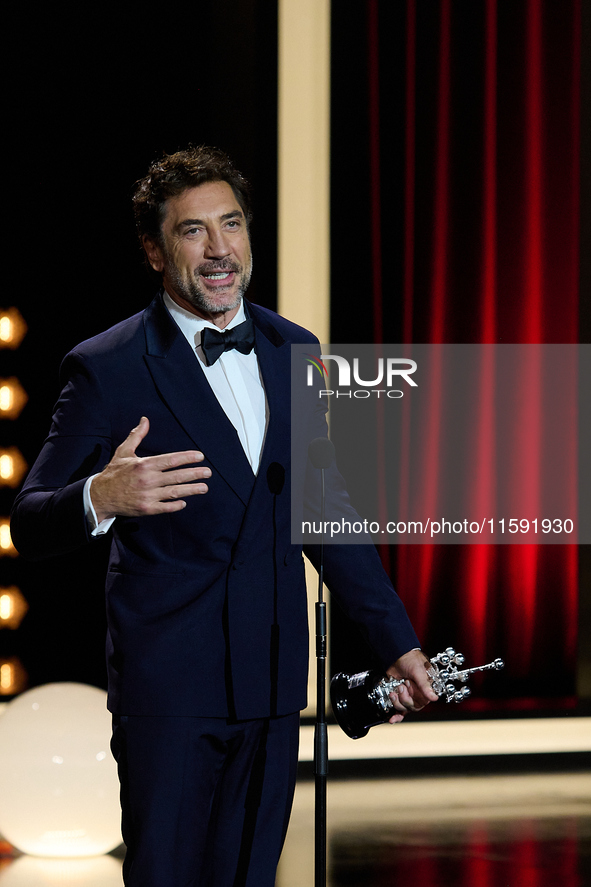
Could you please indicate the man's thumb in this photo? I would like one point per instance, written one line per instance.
(135, 437)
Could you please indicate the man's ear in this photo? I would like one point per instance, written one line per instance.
(153, 252)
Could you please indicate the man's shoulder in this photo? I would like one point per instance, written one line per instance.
(268, 320)
(127, 335)
(122, 334)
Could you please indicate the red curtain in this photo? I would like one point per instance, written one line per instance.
(490, 206)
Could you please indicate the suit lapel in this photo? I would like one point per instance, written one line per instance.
(274, 357)
(184, 388)
(175, 371)
(272, 353)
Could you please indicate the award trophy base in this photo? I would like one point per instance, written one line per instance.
(361, 701)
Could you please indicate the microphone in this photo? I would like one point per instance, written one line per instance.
(321, 452)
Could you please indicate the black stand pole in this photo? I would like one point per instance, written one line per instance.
(320, 730)
(321, 452)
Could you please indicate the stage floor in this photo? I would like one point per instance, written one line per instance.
(468, 831)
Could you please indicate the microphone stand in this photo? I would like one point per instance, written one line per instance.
(321, 453)
(320, 729)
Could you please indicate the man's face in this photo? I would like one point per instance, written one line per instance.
(204, 254)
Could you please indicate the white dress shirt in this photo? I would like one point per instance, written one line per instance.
(235, 379)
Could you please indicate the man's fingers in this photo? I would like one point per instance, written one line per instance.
(134, 438)
(167, 461)
(167, 506)
(179, 491)
(402, 700)
(424, 685)
(414, 667)
(418, 695)
(410, 697)
(173, 498)
(155, 477)
(158, 499)
(148, 487)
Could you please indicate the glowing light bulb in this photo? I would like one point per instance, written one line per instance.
(6, 546)
(13, 607)
(13, 677)
(6, 328)
(6, 398)
(13, 397)
(12, 467)
(12, 328)
(6, 676)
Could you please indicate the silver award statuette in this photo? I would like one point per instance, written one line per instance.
(361, 701)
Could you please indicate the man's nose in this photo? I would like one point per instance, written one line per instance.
(217, 245)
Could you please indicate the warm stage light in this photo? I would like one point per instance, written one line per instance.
(13, 397)
(59, 792)
(6, 544)
(6, 676)
(13, 677)
(13, 607)
(12, 467)
(12, 328)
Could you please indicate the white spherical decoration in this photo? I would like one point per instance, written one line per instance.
(59, 792)
(29, 871)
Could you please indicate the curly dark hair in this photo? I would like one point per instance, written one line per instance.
(173, 174)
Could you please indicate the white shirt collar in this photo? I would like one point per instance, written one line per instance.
(191, 325)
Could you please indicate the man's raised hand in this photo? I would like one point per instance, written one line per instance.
(132, 486)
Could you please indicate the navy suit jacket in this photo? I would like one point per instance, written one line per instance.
(206, 607)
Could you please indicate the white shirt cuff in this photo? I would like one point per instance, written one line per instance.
(96, 528)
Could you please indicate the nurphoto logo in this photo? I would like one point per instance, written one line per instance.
(389, 371)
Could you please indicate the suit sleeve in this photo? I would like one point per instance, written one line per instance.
(353, 572)
(356, 578)
(48, 515)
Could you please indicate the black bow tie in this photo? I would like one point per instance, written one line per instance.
(214, 343)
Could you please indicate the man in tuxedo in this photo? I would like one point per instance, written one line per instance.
(207, 619)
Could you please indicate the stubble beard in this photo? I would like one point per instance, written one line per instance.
(195, 293)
